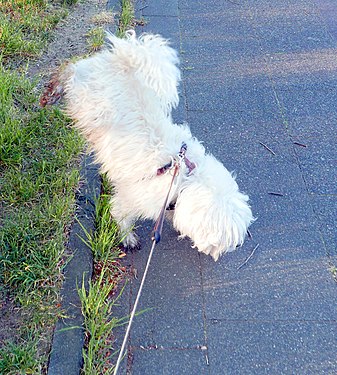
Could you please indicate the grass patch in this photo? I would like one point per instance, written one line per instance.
(38, 174)
(106, 238)
(100, 298)
(19, 359)
(39, 163)
(25, 26)
(39, 171)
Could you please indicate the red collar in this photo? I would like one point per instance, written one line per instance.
(180, 156)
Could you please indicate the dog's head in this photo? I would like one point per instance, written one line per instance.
(211, 210)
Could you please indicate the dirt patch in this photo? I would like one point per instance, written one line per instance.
(10, 318)
(70, 37)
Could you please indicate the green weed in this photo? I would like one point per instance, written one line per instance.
(99, 300)
(333, 270)
(97, 308)
(96, 38)
(127, 15)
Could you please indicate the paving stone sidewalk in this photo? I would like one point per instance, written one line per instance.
(255, 73)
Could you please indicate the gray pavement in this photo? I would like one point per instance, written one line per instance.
(253, 71)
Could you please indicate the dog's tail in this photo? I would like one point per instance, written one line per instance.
(154, 62)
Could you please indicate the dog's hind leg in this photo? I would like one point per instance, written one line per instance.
(130, 238)
(125, 223)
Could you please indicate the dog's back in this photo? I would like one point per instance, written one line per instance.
(121, 100)
(152, 61)
(146, 63)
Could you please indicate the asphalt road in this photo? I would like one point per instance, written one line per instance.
(259, 88)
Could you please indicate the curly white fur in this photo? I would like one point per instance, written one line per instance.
(122, 99)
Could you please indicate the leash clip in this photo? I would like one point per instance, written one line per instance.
(180, 157)
(182, 151)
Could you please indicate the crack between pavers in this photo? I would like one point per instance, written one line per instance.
(162, 348)
(225, 320)
(204, 317)
(183, 93)
(186, 109)
(159, 16)
(323, 194)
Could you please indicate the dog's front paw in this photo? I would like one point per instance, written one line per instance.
(131, 241)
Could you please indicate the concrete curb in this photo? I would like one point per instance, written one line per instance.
(66, 354)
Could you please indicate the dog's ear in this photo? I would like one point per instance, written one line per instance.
(54, 88)
(214, 214)
(53, 92)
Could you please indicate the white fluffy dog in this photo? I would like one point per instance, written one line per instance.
(121, 100)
